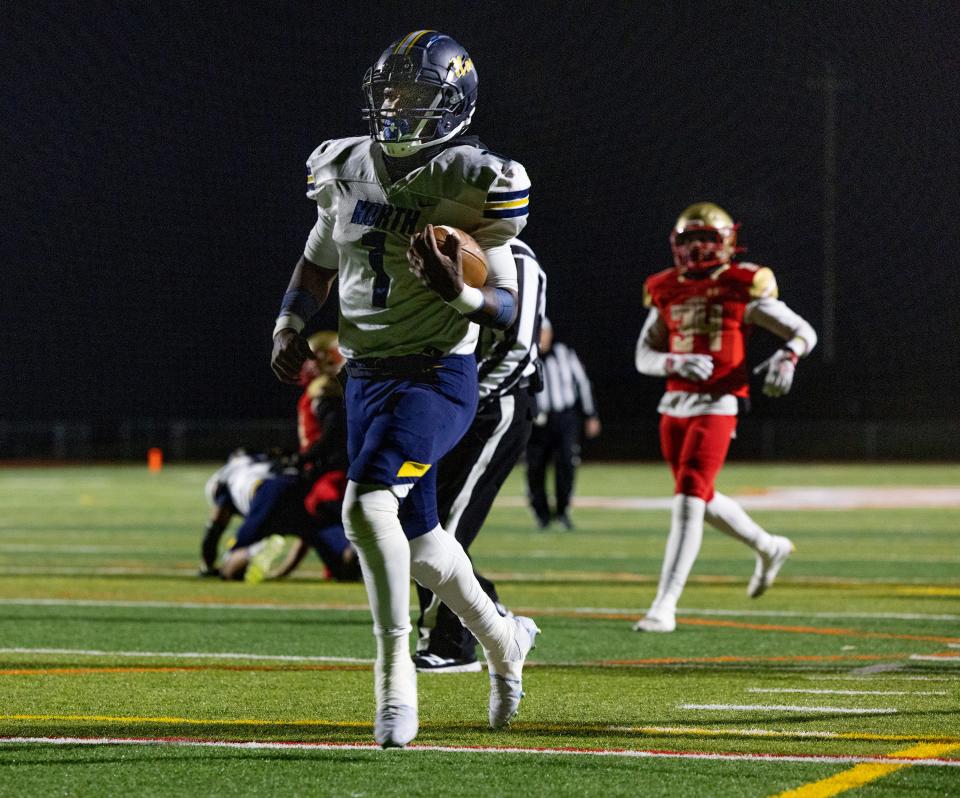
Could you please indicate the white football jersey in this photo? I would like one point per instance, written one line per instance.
(364, 226)
(240, 477)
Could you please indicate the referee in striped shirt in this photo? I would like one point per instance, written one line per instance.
(470, 476)
(565, 403)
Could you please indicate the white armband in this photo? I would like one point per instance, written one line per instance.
(469, 300)
(288, 321)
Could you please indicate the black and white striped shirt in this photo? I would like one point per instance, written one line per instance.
(565, 383)
(506, 358)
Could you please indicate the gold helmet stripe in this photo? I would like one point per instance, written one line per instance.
(407, 42)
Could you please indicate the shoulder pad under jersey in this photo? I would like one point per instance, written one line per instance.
(494, 188)
(762, 283)
(339, 159)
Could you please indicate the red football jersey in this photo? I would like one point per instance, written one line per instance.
(309, 428)
(705, 316)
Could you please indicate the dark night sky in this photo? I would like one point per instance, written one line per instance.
(153, 183)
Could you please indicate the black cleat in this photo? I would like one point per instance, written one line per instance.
(425, 662)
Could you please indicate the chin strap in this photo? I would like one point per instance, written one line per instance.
(405, 149)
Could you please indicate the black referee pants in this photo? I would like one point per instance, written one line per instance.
(468, 480)
(557, 440)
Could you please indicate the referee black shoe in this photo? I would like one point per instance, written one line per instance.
(426, 662)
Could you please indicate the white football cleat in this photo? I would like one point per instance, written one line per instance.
(656, 620)
(506, 687)
(395, 726)
(769, 565)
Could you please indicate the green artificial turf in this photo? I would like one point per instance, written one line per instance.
(102, 559)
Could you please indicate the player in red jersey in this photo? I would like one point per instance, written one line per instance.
(321, 428)
(701, 312)
(318, 377)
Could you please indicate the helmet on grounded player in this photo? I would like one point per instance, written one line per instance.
(704, 236)
(421, 91)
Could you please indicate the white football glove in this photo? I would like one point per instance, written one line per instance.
(780, 368)
(690, 367)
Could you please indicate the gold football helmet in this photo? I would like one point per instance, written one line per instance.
(326, 356)
(703, 237)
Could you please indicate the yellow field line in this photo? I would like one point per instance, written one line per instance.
(106, 669)
(693, 731)
(859, 775)
(191, 721)
(929, 590)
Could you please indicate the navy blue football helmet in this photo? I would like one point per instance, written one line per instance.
(421, 91)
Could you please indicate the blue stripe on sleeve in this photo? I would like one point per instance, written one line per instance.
(503, 196)
(508, 213)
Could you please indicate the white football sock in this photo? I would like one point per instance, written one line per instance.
(683, 545)
(370, 516)
(438, 562)
(729, 517)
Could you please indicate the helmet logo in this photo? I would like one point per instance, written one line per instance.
(421, 92)
(461, 65)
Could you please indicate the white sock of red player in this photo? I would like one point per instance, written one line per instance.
(438, 562)
(370, 516)
(729, 517)
(683, 545)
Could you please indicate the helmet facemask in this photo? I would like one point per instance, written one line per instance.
(703, 238)
(412, 103)
(696, 249)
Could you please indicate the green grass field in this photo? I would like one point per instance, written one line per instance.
(122, 672)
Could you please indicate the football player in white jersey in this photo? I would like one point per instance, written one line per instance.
(408, 328)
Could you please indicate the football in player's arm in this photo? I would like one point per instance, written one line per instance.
(700, 313)
(407, 331)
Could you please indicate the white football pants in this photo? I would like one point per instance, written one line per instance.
(438, 562)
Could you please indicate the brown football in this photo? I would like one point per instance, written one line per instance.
(474, 261)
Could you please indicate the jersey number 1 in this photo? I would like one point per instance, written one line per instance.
(376, 241)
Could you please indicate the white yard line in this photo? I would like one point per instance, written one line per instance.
(224, 655)
(796, 498)
(790, 708)
(55, 570)
(934, 658)
(505, 576)
(878, 677)
(843, 692)
(881, 667)
(411, 749)
(67, 548)
(697, 611)
(625, 611)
